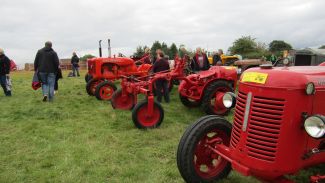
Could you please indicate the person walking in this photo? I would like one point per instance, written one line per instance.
(47, 64)
(75, 64)
(4, 73)
(200, 61)
(160, 65)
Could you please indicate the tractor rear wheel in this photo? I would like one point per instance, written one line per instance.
(88, 77)
(188, 102)
(119, 101)
(195, 159)
(91, 86)
(105, 90)
(143, 120)
(212, 97)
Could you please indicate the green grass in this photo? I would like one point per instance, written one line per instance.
(80, 139)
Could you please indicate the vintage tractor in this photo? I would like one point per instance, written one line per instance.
(278, 128)
(103, 71)
(205, 88)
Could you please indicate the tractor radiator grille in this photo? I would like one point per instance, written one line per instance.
(238, 118)
(263, 128)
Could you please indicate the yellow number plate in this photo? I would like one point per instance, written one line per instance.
(254, 77)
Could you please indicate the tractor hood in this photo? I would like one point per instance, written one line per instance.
(295, 77)
(121, 61)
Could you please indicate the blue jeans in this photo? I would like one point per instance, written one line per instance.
(4, 85)
(48, 81)
(75, 68)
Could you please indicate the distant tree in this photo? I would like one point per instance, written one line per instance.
(278, 46)
(155, 46)
(243, 46)
(85, 57)
(172, 51)
(139, 51)
(164, 48)
(322, 47)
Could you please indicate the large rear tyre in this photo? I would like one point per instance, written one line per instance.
(91, 86)
(88, 77)
(119, 101)
(195, 159)
(143, 120)
(188, 102)
(105, 90)
(212, 97)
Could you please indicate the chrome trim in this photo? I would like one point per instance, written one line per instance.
(247, 109)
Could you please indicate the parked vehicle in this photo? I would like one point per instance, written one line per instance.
(278, 128)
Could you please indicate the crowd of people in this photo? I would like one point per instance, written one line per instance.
(48, 72)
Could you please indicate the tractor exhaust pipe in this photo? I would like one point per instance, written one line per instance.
(109, 47)
(100, 48)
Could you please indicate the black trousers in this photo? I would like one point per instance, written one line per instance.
(162, 90)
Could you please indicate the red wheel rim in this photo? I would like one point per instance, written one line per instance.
(208, 164)
(216, 103)
(106, 92)
(123, 102)
(147, 120)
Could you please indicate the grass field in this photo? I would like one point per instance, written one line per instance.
(80, 139)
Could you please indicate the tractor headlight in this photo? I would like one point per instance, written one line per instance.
(286, 61)
(310, 88)
(229, 100)
(315, 126)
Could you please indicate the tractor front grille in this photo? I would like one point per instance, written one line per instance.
(263, 129)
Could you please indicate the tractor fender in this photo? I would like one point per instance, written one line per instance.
(213, 80)
(144, 68)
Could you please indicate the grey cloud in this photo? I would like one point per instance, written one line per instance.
(77, 25)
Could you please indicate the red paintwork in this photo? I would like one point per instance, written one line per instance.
(207, 165)
(194, 85)
(275, 142)
(106, 92)
(13, 65)
(114, 68)
(322, 64)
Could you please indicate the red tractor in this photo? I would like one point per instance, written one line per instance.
(278, 128)
(103, 71)
(205, 88)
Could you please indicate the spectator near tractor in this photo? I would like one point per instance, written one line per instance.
(200, 61)
(161, 84)
(75, 64)
(47, 64)
(272, 58)
(4, 73)
(216, 59)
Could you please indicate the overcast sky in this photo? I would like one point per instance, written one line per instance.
(77, 25)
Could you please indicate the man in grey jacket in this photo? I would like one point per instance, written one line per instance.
(47, 64)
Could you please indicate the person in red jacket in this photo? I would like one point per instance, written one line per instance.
(161, 84)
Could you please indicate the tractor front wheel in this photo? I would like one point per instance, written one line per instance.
(143, 119)
(188, 102)
(195, 159)
(91, 86)
(212, 97)
(119, 101)
(105, 90)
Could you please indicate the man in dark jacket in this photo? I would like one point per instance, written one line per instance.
(75, 64)
(4, 72)
(161, 84)
(200, 61)
(47, 64)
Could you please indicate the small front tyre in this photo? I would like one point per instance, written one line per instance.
(195, 159)
(143, 120)
(105, 90)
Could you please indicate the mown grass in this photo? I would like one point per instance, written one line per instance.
(80, 139)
